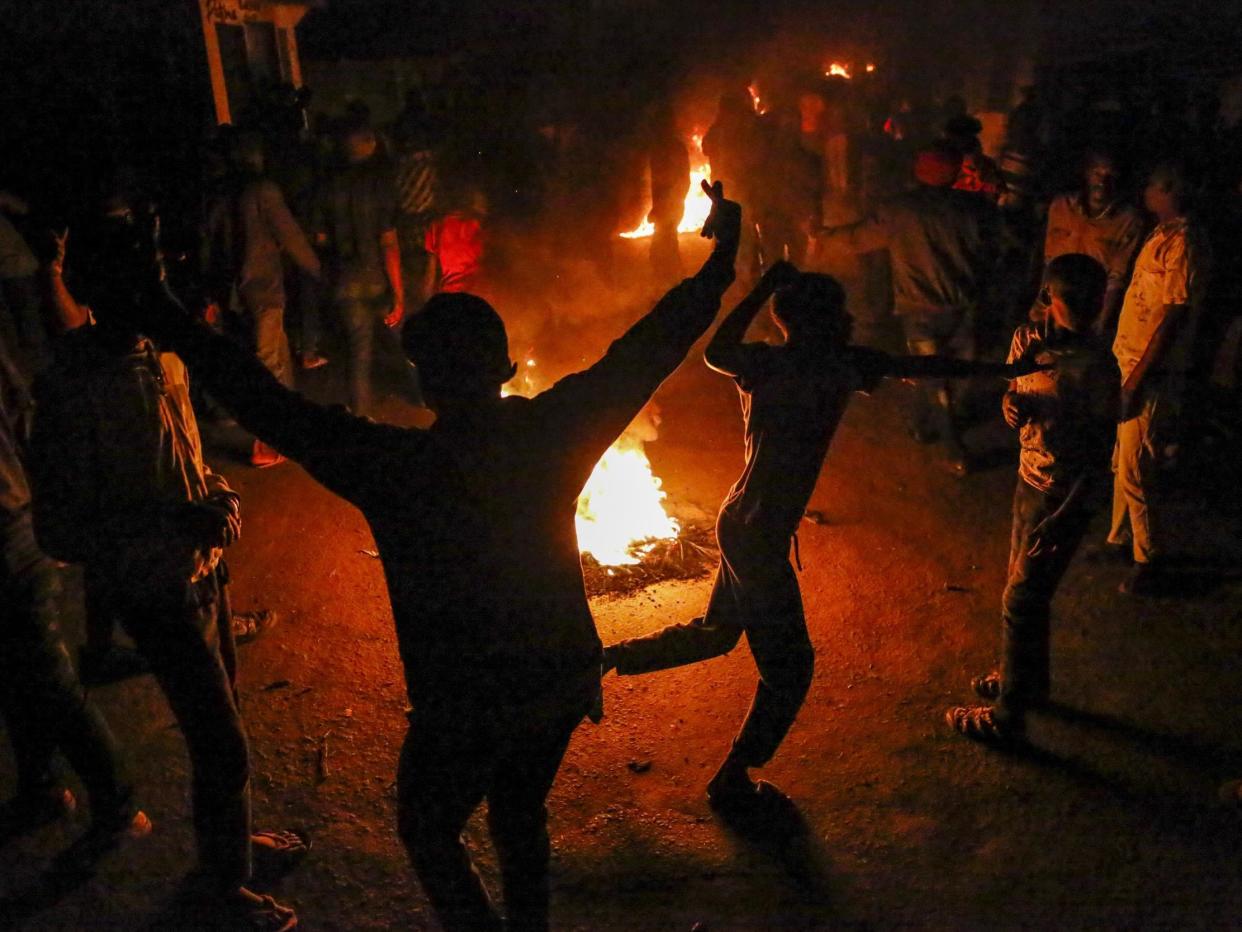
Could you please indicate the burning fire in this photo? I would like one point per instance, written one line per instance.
(837, 69)
(621, 512)
(698, 204)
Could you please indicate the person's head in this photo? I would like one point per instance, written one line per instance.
(812, 310)
(1167, 188)
(358, 140)
(1100, 177)
(246, 151)
(1074, 287)
(962, 133)
(938, 167)
(461, 349)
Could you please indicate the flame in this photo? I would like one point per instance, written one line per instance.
(870, 68)
(621, 512)
(698, 205)
(756, 100)
(837, 70)
(621, 509)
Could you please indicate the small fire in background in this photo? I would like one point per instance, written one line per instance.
(838, 69)
(698, 204)
(870, 69)
(756, 100)
(621, 514)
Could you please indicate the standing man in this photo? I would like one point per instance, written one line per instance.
(941, 243)
(1063, 416)
(355, 229)
(248, 231)
(1096, 222)
(120, 487)
(474, 522)
(1154, 345)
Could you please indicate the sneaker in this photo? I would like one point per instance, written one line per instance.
(111, 664)
(1142, 580)
(262, 456)
(312, 360)
(103, 836)
(249, 625)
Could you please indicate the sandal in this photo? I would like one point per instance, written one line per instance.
(277, 853)
(249, 625)
(761, 794)
(251, 912)
(987, 686)
(981, 723)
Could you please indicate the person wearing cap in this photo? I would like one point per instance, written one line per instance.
(473, 519)
(942, 246)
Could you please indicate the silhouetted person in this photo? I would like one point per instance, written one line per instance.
(1064, 418)
(734, 148)
(670, 183)
(474, 523)
(121, 488)
(941, 244)
(354, 225)
(249, 230)
(44, 707)
(1154, 349)
(793, 397)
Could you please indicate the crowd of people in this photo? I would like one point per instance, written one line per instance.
(1114, 323)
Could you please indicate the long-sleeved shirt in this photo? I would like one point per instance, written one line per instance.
(115, 452)
(941, 243)
(247, 234)
(474, 518)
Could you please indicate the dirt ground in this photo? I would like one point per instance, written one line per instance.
(1110, 820)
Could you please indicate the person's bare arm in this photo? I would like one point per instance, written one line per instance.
(722, 353)
(67, 313)
(287, 231)
(1152, 357)
(392, 268)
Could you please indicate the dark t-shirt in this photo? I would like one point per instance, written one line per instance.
(792, 403)
(353, 209)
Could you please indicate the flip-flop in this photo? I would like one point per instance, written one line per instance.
(278, 852)
(249, 625)
(980, 723)
(987, 686)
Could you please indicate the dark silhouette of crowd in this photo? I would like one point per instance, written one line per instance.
(1094, 265)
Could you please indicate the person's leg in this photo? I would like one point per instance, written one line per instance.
(45, 705)
(447, 760)
(518, 814)
(359, 322)
(271, 343)
(1135, 472)
(786, 662)
(1027, 602)
(181, 642)
(920, 341)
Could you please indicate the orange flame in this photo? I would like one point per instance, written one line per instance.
(837, 69)
(621, 512)
(698, 205)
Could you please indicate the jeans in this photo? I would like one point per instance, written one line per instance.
(187, 638)
(454, 757)
(755, 593)
(362, 306)
(947, 332)
(1033, 580)
(43, 703)
(1136, 458)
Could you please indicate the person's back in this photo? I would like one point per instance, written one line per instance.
(939, 243)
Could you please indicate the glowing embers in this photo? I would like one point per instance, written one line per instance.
(621, 512)
(698, 204)
(837, 69)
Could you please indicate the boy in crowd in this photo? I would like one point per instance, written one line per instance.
(1064, 417)
(793, 397)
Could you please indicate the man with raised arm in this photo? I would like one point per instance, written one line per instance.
(793, 397)
(474, 523)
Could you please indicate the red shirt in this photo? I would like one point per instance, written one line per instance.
(456, 241)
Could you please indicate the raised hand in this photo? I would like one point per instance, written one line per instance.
(724, 223)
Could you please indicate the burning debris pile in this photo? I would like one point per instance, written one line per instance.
(626, 535)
